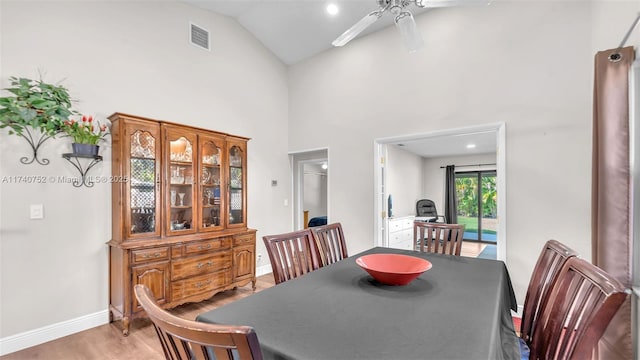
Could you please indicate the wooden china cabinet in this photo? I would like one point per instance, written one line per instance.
(179, 214)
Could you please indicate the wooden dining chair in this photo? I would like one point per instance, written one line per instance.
(438, 237)
(581, 304)
(183, 339)
(292, 254)
(331, 244)
(553, 256)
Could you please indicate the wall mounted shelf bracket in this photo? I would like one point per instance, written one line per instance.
(74, 159)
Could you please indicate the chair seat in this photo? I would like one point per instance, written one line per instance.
(524, 349)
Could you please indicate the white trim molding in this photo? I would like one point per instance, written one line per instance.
(263, 270)
(41, 335)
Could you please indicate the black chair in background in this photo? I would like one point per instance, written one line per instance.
(426, 211)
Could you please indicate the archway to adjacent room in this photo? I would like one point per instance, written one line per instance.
(431, 148)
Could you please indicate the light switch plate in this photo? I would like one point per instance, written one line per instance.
(36, 211)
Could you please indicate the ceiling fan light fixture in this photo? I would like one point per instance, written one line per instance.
(409, 31)
(357, 28)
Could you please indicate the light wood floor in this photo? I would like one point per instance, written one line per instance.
(106, 342)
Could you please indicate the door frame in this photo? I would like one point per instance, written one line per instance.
(380, 153)
(296, 159)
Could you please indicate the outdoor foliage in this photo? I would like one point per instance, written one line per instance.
(467, 193)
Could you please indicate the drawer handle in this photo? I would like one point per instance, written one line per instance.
(204, 247)
(208, 263)
(202, 283)
(154, 255)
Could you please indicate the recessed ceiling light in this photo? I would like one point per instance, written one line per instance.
(325, 166)
(471, 146)
(332, 9)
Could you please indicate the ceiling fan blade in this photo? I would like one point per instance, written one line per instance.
(447, 3)
(409, 31)
(358, 27)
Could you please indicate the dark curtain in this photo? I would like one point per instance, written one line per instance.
(450, 202)
(611, 192)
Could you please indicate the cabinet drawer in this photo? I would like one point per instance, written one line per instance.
(395, 225)
(244, 240)
(208, 245)
(395, 237)
(198, 265)
(144, 255)
(407, 224)
(184, 288)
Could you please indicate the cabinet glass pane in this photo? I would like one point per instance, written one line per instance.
(235, 206)
(181, 150)
(236, 178)
(142, 184)
(210, 153)
(210, 184)
(235, 156)
(181, 183)
(235, 185)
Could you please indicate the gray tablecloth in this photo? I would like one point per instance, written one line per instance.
(457, 310)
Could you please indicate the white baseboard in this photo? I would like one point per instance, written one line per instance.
(41, 335)
(263, 270)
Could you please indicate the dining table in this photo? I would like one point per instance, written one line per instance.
(459, 309)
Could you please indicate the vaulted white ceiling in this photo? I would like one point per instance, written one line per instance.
(297, 29)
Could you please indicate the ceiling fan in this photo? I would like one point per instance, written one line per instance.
(403, 19)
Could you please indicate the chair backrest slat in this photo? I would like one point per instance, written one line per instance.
(183, 339)
(581, 303)
(553, 256)
(438, 238)
(331, 243)
(292, 254)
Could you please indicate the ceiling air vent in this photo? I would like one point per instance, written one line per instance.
(199, 37)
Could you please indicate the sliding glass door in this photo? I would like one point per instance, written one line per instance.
(477, 198)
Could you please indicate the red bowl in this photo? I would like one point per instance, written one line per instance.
(393, 269)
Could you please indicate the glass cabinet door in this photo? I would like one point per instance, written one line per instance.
(211, 179)
(237, 182)
(142, 192)
(180, 188)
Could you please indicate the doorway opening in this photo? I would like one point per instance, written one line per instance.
(433, 147)
(310, 177)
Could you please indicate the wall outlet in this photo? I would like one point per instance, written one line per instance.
(259, 258)
(36, 211)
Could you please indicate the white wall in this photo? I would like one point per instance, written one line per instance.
(434, 176)
(130, 57)
(526, 63)
(404, 180)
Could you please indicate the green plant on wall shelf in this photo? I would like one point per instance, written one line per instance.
(34, 105)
